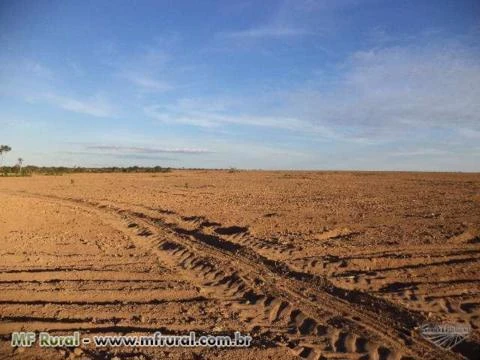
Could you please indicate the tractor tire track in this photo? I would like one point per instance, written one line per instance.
(305, 312)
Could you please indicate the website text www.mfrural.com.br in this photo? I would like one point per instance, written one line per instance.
(157, 339)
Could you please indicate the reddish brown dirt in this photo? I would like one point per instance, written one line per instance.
(319, 265)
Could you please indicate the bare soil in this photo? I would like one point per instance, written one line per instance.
(317, 265)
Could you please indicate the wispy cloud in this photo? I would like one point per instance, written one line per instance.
(285, 21)
(117, 155)
(469, 133)
(37, 69)
(145, 81)
(34, 82)
(424, 152)
(380, 95)
(146, 150)
(20, 76)
(178, 114)
(266, 32)
(95, 106)
(147, 68)
(398, 90)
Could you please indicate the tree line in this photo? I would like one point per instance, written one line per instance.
(21, 170)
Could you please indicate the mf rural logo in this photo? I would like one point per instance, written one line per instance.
(445, 335)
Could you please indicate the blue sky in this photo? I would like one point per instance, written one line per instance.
(304, 84)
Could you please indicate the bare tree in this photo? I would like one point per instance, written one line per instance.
(20, 163)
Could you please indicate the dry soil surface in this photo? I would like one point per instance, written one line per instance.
(317, 265)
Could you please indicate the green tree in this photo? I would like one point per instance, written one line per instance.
(3, 150)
